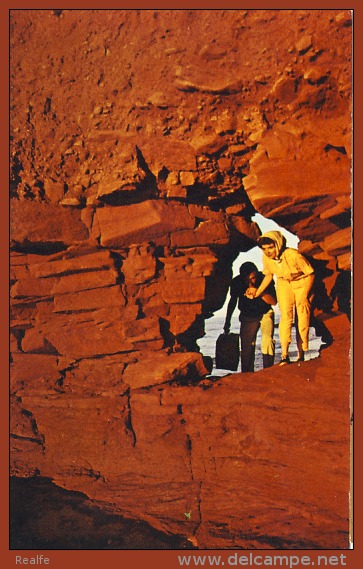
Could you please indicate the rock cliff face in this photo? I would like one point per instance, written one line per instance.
(142, 144)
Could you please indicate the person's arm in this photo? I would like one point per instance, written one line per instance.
(269, 298)
(266, 281)
(308, 283)
(230, 308)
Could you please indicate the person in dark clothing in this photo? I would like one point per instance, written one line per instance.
(255, 313)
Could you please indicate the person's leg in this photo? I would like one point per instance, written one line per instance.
(249, 329)
(300, 351)
(267, 340)
(268, 361)
(303, 319)
(286, 302)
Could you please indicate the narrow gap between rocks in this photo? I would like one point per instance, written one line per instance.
(214, 324)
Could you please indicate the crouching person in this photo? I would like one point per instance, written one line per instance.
(255, 313)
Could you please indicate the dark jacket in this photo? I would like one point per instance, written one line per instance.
(250, 308)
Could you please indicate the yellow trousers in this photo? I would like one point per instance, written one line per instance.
(267, 333)
(292, 300)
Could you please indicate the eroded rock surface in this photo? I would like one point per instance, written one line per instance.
(143, 142)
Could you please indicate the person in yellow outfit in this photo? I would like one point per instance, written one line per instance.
(295, 277)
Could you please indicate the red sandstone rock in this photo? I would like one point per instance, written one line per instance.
(256, 438)
(182, 317)
(139, 266)
(188, 291)
(71, 265)
(207, 233)
(128, 225)
(180, 367)
(129, 205)
(53, 223)
(174, 156)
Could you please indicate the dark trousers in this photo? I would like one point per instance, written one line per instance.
(249, 329)
(248, 333)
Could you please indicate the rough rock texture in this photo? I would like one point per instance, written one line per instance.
(142, 144)
(256, 461)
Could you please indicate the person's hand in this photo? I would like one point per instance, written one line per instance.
(226, 328)
(251, 292)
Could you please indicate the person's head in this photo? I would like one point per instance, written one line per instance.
(272, 244)
(249, 272)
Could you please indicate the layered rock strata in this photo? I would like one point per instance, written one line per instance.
(142, 143)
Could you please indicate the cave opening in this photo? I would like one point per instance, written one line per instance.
(214, 325)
